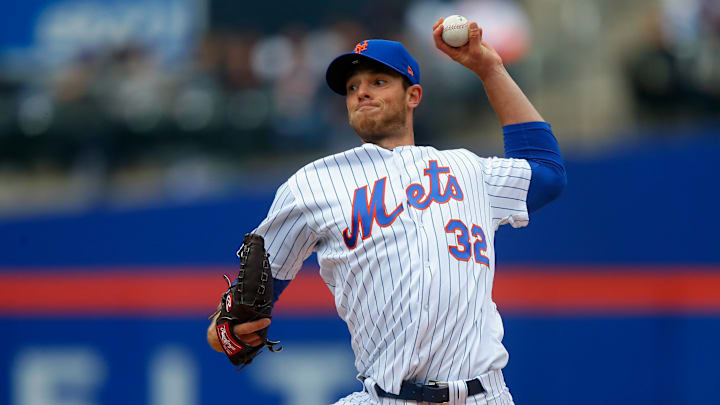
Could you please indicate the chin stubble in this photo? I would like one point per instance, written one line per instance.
(374, 129)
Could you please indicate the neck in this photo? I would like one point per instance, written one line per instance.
(403, 136)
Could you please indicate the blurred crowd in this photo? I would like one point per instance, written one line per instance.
(239, 91)
(677, 70)
(248, 87)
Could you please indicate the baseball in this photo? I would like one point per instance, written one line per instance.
(455, 31)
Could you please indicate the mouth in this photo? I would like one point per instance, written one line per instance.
(365, 107)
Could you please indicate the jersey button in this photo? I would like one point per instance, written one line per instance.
(426, 307)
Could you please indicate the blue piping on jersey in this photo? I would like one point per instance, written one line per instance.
(534, 142)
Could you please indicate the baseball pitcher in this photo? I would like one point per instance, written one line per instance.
(404, 234)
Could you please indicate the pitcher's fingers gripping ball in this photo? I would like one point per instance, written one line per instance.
(248, 299)
(475, 54)
(455, 30)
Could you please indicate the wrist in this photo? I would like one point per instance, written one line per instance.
(489, 73)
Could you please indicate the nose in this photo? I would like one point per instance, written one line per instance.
(363, 91)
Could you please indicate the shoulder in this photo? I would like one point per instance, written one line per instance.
(450, 152)
(324, 168)
(488, 160)
(488, 165)
(332, 162)
(462, 154)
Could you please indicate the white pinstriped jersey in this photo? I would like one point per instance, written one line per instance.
(404, 239)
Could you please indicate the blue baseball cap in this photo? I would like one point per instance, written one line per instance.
(389, 53)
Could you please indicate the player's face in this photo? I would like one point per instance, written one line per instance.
(376, 103)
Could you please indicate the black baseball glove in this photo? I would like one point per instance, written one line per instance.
(248, 299)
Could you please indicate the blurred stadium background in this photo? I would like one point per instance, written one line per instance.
(140, 139)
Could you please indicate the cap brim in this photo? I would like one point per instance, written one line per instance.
(337, 72)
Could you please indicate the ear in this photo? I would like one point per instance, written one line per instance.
(414, 95)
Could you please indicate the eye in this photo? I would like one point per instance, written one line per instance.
(380, 82)
(351, 88)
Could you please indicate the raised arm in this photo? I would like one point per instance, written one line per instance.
(509, 102)
(526, 134)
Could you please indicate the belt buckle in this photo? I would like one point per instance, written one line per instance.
(439, 384)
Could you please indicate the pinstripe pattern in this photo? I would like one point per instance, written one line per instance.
(415, 310)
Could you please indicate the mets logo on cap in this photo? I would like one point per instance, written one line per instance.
(361, 47)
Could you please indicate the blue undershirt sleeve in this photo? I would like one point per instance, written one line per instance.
(534, 142)
(278, 287)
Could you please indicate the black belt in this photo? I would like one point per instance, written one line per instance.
(435, 392)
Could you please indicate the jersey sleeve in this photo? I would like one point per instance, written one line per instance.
(507, 182)
(535, 142)
(288, 239)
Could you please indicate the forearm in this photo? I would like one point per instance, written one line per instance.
(507, 99)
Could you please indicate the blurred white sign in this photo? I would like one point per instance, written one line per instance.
(304, 374)
(311, 374)
(58, 376)
(166, 27)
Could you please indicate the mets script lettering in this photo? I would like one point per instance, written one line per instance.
(365, 214)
